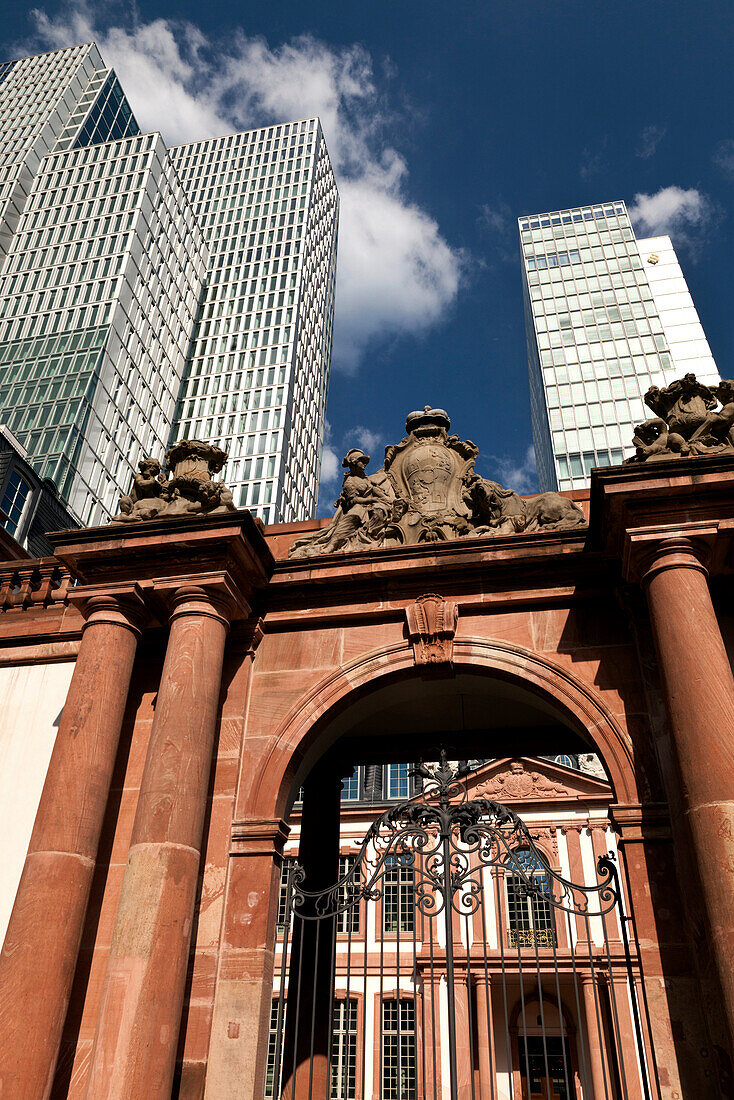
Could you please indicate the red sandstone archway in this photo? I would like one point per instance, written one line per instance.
(303, 734)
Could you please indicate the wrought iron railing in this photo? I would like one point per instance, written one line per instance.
(451, 843)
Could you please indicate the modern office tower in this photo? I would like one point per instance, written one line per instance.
(257, 377)
(53, 100)
(98, 300)
(606, 317)
(105, 233)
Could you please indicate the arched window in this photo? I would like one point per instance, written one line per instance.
(529, 907)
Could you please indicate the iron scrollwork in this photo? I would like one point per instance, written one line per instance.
(447, 840)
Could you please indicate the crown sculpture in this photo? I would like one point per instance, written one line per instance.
(189, 492)
(427, 491)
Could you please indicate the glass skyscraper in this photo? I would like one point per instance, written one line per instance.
(140, 281)
(606, 317)
(98, 299)
(257, 377)
(41, 98)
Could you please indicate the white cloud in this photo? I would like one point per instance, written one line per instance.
(724, 156)
(521, 476)
(685, 215)
(594, 159)
(329, 467)
(498, 221)
(362, 437)
(397, 275)
(650, 138)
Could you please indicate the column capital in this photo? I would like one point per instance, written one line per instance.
(213, 602)
(117, 605)
(261, 836)
(636, 821)
(649, 551)
(210, 595)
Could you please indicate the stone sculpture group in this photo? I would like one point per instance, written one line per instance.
(428, 491)
(690, 419)
(190, 491)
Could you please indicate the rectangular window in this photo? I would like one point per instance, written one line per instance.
(13, 502)
(344, 1050)
(398, 781)
(348, 919)
(350, 787)
(529, 908)
(398, 1050)
(272, 1087)
(285, 887)
(398, 899)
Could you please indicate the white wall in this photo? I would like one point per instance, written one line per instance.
(31, 698)
(687, 341)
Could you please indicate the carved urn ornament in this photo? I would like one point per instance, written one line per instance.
(191, 491)
(428, 491)
(690, 419)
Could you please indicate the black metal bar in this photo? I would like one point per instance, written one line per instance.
(487, 987)
(469, 1000)
(599, 1020)
(633, 989)
(450, 979)
(560, 1011)
(280, 1019)
(501, 929)
(434, 1036)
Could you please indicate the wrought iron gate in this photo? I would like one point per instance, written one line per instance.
(450, 960)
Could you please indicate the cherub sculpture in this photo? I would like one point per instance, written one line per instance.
(149, 495)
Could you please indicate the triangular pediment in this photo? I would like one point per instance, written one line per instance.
(524, 779)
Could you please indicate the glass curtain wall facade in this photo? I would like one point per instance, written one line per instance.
(38, 96)
(595, 339)
(97, 305)
(257, 376)
(110, 298)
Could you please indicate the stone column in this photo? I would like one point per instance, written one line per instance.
(135, 1044)
(699, 694)
(485, 1033)
(42, 943)
(594, 1012)
(308, 1026)
(431, 1033)
(464, 1070)
(244, 984)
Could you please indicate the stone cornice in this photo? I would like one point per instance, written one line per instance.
(225, 554)
(634, 507)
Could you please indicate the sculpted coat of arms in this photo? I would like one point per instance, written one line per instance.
(428, 491)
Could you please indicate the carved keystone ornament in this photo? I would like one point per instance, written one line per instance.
(428, 491)
(432, 624)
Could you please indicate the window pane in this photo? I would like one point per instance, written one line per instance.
(398, 1050)
(398, 909)
(344, 1051)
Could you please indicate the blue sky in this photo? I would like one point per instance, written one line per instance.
(446, 121)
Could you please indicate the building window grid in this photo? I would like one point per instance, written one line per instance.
(348, 920)
(344, 1049)
(529, 915)
(398, 897)
(634, 298)
(399, 1062)
(14, 500)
